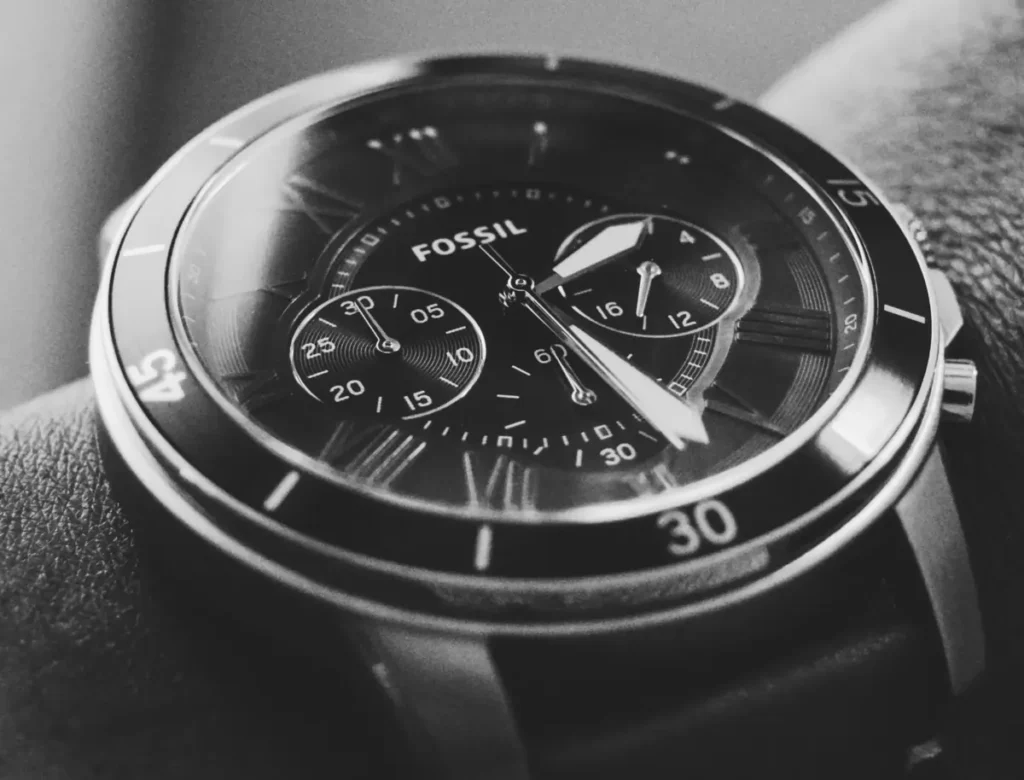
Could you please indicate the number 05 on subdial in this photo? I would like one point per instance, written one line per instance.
(387, 352)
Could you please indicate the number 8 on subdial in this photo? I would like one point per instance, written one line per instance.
(388, 353)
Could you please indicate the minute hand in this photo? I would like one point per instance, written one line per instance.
(672, 417)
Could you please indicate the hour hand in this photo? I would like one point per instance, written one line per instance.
(609, 244)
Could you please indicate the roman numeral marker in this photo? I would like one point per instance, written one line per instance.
(378, 455)
(328, 209)
(419, 151)
(789, 327)
(508, 485)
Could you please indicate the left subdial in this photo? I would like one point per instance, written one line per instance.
(387, 352)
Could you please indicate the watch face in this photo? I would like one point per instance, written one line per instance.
(492, 310)
(346, 286)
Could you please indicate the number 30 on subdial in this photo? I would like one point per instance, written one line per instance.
(390, 352)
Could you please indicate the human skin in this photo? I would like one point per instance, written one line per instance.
(106, 673)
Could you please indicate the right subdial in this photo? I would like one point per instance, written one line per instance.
(679, 279)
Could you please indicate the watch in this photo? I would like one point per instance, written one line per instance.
(592, 412)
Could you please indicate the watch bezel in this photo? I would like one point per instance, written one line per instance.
(447, 588)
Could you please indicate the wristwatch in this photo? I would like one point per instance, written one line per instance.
(592, 412)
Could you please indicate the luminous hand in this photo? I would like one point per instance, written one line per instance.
(609, 244)
(385, 343)
(647, 270)
(668, 414)
(581, 394)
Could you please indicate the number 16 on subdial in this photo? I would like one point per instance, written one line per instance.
(387, 352)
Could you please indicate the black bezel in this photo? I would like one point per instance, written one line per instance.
(210, 455)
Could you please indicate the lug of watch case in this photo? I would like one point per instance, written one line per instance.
(930, 520)
(951, 319)
(448, 693)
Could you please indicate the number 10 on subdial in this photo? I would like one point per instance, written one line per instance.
(387, 352)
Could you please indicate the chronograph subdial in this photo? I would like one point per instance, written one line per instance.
(675, 279)
(554, 410)
(388, 353)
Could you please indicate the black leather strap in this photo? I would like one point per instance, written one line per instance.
(841, 688)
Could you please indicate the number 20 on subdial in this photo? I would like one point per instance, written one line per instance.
(391, 352)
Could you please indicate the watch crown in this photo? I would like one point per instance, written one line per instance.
(959, 389)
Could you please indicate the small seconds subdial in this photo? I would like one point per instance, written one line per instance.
(674, 278)
(388, 352)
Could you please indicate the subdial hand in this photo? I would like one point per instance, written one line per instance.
(385, 343)
(670, 415)
(648, 270)
(581, 394)
(608, 245)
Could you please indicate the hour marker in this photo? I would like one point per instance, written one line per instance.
(516, 424)
(385, 457)
(579, 458)
(538, 142)
(427, 424)
(151, 249)
(644, 325)
(506, 395)
(909, 315)
(328, 209)
(646, 435)
(507, 485)
(583, 292)
(318, 373)
(380, 403)
(482, 555)
(280, 493)
(565, 440)
(328, 323)
(419, 151)
(723, 104)
(790, 327)
(447, 381)
(455, 330)
(712, 256)
(655, 479)
(706, 302)
(522, 371)
(680, 159)
(446, 429)
(394, 302)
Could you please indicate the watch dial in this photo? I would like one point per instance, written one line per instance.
(516, 299)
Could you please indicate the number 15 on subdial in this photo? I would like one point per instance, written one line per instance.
(388, 353)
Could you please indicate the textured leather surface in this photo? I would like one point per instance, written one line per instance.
(104, 674)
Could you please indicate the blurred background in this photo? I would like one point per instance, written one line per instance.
(95, 95)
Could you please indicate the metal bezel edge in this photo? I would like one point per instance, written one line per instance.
(121, 411)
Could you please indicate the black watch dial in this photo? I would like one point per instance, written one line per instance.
(517, 299)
